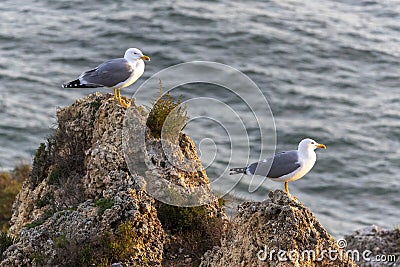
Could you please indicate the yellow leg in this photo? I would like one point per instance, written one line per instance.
(287, 187)
(115, 93)
(123, 102)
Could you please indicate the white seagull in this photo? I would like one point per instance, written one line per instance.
(285, 166)
(116, 73)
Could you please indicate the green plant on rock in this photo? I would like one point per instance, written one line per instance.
(121, 246)
(167, 117)
(46, 215)
(102, 204)
(97, 252)
(55, 175)
(45, 200)
(38, 258)
(177, 218)
(125, 243)
(40, 164)
(86, 257)
(61, 241)
(95, 105)
(196, 229)
(221, 202)
(5, 242)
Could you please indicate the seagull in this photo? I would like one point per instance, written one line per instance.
(116, 73)
(285, 166)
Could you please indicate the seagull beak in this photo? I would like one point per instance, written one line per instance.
(321, 146)
(145, 58)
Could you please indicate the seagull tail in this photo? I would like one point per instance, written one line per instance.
(237, 170)
(77, 84)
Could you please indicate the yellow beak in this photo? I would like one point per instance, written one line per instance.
(145, 58)
(321, 146)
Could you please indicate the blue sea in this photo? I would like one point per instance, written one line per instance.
(328, 70)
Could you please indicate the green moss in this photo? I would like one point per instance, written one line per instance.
(40, 153)
(126, 242)
(182, 218)
(95, 105)
(56, 175)
(221, 202)
(45, 200)
(103, 204)
(38, 259)
(86, 257)
(196, 229)
(40, 164)
(61, 241)
(5, 242)
(97, 252)
(121, 246)
(40, 220)
(103, 249)
(167, 117)
(73, 208)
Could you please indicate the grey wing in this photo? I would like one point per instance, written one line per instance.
(108, 74)
(281, 164)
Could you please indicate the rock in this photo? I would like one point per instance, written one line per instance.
(375, 246)
(80, 195)
(81, 192)
(81, 204)
(279, 231)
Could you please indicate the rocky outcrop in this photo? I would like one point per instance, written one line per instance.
(279, 231)
(84, 204)
(81, 205)
(374, 246)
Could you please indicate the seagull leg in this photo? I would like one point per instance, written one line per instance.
(287, 187)
(116, 94)
(123, 102)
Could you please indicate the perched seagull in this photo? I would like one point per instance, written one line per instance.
(116, 73)
(285, 166)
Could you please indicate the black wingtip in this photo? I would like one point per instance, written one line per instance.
(75, 83)
(237, 171)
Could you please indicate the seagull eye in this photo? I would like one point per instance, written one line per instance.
(313, 143)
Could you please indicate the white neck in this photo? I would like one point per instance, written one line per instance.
(307, 154)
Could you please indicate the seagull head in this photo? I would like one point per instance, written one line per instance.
(133, 54)
(310, 145)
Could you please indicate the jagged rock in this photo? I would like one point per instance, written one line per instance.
(275, 232)
(80, 191)
(375, 246)
(83, 204)
(81, 195)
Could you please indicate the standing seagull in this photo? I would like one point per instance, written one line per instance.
(116, 73)
(285, 166)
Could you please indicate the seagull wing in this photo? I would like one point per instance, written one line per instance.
(108, 74)
(281, 164)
